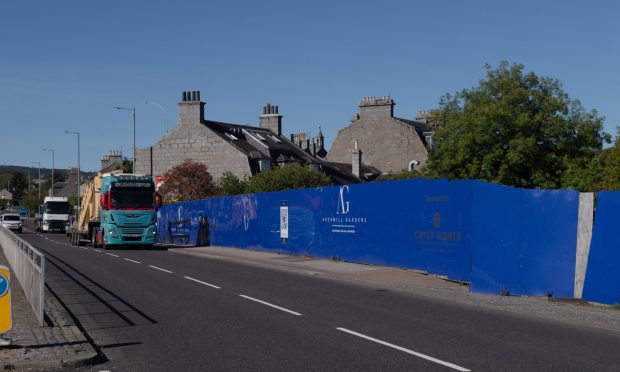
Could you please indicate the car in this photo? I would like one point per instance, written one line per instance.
(11, 221)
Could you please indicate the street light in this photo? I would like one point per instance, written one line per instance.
(162, 111)
(52, 151)
(77, 217)
(39, 200)
(133, 112)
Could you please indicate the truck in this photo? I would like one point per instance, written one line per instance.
(117, 209)
(56, 214)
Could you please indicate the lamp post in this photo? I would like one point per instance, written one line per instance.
(133, 113)
(52, 151)
(39, 200)
(162, 111)
(78, 173)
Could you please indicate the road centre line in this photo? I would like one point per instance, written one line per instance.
(110, 254)
(159, 268)
(271, 305)
(201, 282)
(130, 260)
(420, 355)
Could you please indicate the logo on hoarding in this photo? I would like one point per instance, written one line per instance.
(343, 206)
(343, 222)
(436, 220)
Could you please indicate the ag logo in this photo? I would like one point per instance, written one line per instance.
(436, 220)
(343, 206)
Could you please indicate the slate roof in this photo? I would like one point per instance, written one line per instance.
(258, 143)
(420, 127)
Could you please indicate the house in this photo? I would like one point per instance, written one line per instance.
(240, 149)
(388, 143)
(5, 195)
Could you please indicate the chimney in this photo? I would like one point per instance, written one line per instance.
(191, 108)
(356, 168)
(271, 119)
(376, 107)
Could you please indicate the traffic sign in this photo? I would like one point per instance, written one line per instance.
(5, 300)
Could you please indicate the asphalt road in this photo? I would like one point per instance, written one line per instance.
(165, 310)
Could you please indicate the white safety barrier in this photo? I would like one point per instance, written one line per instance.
(28, 265)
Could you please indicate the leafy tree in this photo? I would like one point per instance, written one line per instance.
(405, 174)
(127, 167)
(517, 129)
(30, 200)
(610, 166)
(189, 180)
(229, 184)
(291, 176)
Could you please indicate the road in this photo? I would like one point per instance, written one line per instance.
(150, 310)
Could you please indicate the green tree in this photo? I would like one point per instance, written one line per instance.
(405, 174)
(229, 184)
(610, 166)
(189, 180)
(291, 176)
(518, 129)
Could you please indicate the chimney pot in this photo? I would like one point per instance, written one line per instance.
(198, 95)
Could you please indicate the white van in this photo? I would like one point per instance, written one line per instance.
(11, 221)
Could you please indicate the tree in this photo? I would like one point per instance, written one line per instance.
(610, 166)
(229, 184)
(291, 176)
(517, 129)
(189, 180)
(405, 174)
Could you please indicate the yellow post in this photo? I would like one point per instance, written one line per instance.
(5, 300)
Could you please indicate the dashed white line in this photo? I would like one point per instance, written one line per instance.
(134, 261)
(420, 355)
(201, 282)
(270, 305)
(159, 268)
(110, 254)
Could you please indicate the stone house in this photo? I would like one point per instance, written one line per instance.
(384, 143)
(5, 195)
(241, 149)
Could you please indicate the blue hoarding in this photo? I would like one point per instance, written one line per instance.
(602, 281)
(500, 238)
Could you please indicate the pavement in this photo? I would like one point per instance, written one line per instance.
(57, 345)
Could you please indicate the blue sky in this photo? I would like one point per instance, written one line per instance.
(65, 64)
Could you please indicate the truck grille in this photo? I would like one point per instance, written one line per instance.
(132, 234)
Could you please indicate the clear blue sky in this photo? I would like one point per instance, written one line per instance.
(65, 64)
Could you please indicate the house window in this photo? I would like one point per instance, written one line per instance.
(264, 164)
(232, 136)
(259, 136)
(276, 139)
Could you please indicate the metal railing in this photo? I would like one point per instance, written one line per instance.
(28, 265)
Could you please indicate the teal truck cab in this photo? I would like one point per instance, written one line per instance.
(127, 211)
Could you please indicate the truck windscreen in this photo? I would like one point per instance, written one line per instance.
(129, 198)
(57, 208)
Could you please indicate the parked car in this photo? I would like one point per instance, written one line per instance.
(11, 221)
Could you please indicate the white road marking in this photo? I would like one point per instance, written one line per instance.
(159, 268)
(110, 254)
(271, 305)
(420, 355)
(127, 259)
(201, 282)
(96, 250)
